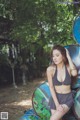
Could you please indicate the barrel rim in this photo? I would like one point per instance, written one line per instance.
(77, 45)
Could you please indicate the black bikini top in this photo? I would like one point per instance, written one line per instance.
(67, 80)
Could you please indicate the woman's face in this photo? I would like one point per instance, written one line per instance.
(57, 57)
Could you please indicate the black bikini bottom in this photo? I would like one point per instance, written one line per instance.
(63, 99)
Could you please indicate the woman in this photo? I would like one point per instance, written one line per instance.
(59, 79)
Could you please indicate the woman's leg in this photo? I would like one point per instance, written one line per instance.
(57, 115)
(52, 111)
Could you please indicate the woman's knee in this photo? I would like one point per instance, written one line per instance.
(52, 113)
(53, 117)
(57, 115)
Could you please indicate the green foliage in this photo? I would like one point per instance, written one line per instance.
(3, 54)
(40, 21)
(38, 24)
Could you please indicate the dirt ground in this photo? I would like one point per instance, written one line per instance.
(16, 100)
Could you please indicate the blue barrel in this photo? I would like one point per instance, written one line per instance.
(74, 51)
(30, 115)
(76, 107)
(76, 29)
(40, 101)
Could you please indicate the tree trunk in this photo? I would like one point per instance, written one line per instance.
(14, 83)
(24, 78)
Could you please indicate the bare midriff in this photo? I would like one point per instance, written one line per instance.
(63, 89)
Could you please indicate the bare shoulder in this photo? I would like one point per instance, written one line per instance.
(50, 73)
(51, 69)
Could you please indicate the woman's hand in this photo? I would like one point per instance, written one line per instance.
(60, 108)
(73, 69)
(67, 53)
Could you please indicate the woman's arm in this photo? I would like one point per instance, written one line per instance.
(49, 77)
(73, 69)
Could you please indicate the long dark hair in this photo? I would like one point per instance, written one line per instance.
(62, 51)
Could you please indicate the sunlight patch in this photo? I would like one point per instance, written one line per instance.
(23, 103)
